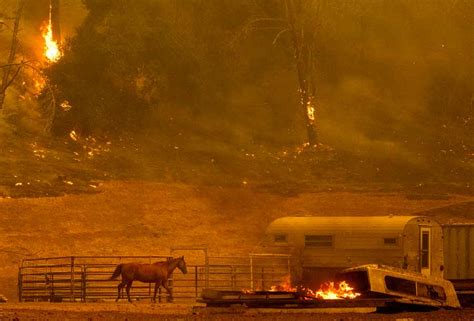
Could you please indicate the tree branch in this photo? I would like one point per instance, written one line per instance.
(279, 34)
(11, 80)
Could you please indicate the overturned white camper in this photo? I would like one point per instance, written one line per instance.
(401, 286)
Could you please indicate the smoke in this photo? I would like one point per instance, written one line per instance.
(6, 129)
(394, 78)
(357, 117)
(398, 81)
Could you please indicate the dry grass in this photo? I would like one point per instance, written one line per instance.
(145, 218)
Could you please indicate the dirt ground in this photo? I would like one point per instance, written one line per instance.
(147, 218)
(182, 312)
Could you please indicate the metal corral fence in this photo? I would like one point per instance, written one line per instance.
(255, 272)
(86, 278)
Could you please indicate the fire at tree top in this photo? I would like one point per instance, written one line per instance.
(51, 48)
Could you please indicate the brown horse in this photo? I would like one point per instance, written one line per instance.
(157, 273)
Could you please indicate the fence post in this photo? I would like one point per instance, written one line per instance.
(251, 272)
(171, 286)
(206, 262)
(72, 279)
(233, 278)
(149, 284)
(83, 282)
(272, 276)
(20, 285)
(51, 291)
(289, 267)
(196, 281)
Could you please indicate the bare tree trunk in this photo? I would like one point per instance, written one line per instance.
(304, 66)
(55, 20)
(11, 57)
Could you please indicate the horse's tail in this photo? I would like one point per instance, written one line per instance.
(117, 272)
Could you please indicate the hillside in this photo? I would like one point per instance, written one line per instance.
(140, 217)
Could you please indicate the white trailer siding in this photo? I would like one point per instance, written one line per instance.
(340, 241)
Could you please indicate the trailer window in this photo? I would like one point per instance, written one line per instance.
(390, 241)
(400, 285)
(280, 238)
(318, 240)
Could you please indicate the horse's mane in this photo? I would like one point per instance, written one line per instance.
(167, 262)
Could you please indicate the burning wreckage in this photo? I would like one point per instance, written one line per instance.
(373, 285)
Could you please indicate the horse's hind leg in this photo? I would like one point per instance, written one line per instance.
(129, 285)
(157, 285)
(119, 290)
(165, 285)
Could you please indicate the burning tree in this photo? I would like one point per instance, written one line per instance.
(51, 33)
(30, 84)
(296, 24)
(8, 77)
(302, 38)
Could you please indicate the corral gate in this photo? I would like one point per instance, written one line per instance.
(85, 278)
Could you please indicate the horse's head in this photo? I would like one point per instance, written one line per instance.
(182, 265)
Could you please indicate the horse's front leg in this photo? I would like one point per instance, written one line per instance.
(129, 285)
(157, 285)
(165, 285)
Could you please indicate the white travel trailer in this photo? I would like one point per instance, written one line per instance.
(324, 245)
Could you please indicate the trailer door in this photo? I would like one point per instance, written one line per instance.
(425, 250)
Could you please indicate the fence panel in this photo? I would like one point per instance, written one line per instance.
(256, 272)
(86, 278)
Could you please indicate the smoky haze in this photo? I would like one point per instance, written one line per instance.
(211, 86)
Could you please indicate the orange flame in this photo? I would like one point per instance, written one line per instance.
(51, 48)
(327, 291)
(330, 291)
(285, 285)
